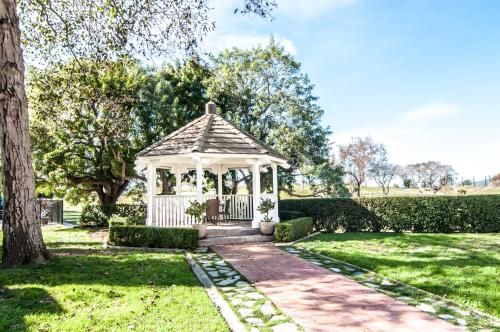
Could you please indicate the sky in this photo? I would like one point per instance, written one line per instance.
(421, 77)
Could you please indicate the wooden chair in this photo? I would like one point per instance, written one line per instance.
(212, 211)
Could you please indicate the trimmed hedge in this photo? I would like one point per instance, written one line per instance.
(96, 215)
(288, 215)
(294, 229)
(422, 214)
(153, 237)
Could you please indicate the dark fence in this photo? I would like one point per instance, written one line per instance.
(50, 210)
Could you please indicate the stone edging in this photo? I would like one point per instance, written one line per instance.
(433, 304)
(169, 250)
(231, 319)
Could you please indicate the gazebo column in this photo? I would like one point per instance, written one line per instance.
(178, 181)
(256, 194)
(199, 181)
(274, 168)
(151, 191)
(219, 182)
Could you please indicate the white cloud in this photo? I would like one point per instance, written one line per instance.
(301, 9)
(219, 42)
(432, 111)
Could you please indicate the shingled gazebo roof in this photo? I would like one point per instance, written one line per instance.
(212, 134)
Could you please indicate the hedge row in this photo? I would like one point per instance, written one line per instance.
(153, 237)
(291, 230)
(288, 215)
(95, 215)
(428, 214)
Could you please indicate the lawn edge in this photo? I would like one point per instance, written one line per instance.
(224, 308)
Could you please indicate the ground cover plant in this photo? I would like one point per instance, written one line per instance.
(461, 267)
(85, 287)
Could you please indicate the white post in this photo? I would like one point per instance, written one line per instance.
(151, 191)
(199, 181)
(219, 182)
(178, 181)
(256, 193)
(274, 168)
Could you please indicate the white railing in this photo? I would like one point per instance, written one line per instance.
(169, 210)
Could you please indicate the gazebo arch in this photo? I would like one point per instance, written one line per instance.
(208, 142)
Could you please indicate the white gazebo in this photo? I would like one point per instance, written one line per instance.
(208, 143)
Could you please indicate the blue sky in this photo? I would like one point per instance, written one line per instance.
(421, 77)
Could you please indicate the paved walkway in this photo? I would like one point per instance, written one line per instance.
(321, 300)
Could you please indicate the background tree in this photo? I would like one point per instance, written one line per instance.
(495, 180)
(356, 159)
(60, 28)
(432, 175)
(381, 171)
(264, 92)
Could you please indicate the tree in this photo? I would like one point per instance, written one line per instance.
(82, 131)
(431, 174)
(495, 180)
(357, 157)
(263, 91)
(57, 29)
(381, 171)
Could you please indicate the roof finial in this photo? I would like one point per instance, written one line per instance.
(210, 108)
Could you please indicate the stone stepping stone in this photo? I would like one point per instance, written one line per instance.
(214, 274)
(228, 281)
(386, 282)
(246, 312)
(255, 321)
(248, 304)
(236, 302)
(462, 322)
(277, 318)
(358, 274)
(227, 289)
(458, 311)
(242, 284)
(334, 269)
(254, 296)
(369, 284)
(426, 308)
(230, 273)
(285, 327)
(446, 317)
(404, 298)
(220, 263)
(348, 268)
(267, 309)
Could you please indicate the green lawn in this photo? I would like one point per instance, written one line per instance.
(71, 214)
(86, 288)
(462, 267)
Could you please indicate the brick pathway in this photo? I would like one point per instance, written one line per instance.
(321, 300)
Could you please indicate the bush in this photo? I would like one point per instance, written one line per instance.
(95, 215)
(429, 214)
(153, 237)
(117, 220)
(287, 215)
(294, 229)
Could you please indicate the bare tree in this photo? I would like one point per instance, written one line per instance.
(59, 29)
(432, 175)
(356, 158)
(382, 172)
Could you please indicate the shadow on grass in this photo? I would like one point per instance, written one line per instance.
(23, 290)
(16, 304)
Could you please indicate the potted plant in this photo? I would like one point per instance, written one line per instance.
(266, 224)
(196, 210)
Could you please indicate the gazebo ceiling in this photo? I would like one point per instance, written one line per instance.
(210, 134)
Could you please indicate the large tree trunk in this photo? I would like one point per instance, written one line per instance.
(110, 192)
(22, 232)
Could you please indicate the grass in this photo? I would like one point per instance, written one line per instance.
(462, 267)
(87, 288)
(71, 214)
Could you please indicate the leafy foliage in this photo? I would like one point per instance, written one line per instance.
(293, 229)
(403, 214)
(287, 214)
(98, 215)
(153, 237)
(196, 210)
(265, 206)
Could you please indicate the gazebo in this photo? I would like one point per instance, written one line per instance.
(208, 143)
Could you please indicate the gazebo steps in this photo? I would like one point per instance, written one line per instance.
(213, 241)
(226, 231)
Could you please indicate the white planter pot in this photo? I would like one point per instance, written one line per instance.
(267, 228)
(202, 230)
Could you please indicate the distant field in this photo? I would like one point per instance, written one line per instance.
(71, 214)
(369, 191)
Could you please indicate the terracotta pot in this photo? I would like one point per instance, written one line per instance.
(202, 230)
(267, 228)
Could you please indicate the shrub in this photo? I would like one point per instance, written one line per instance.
(153, 237)
(95, 215)
(294, 229)
(430, 214)
(287, 215)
